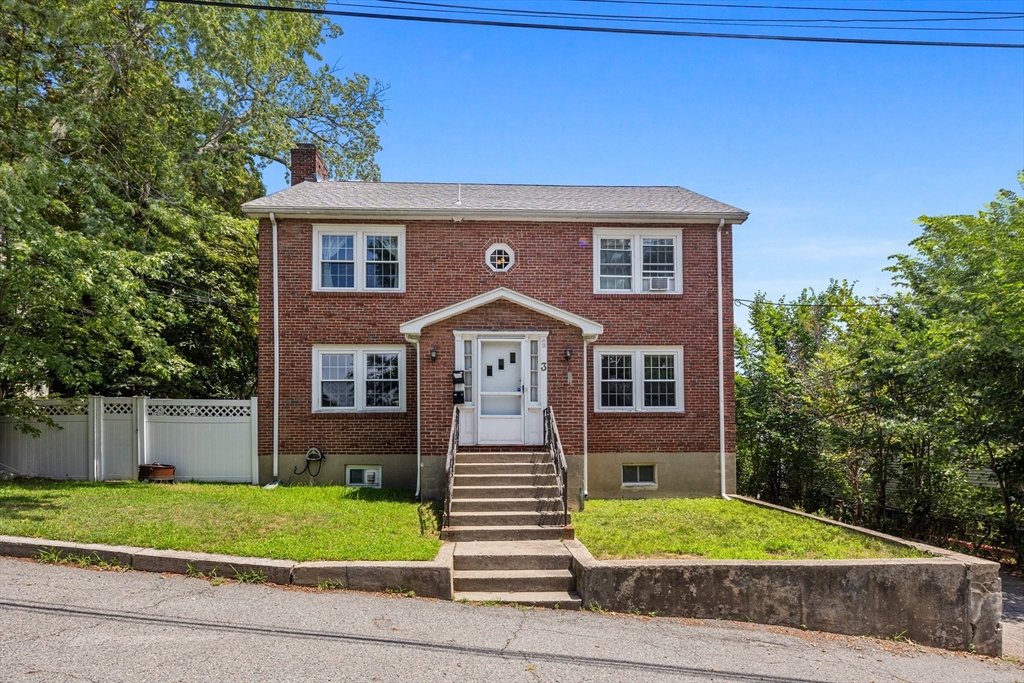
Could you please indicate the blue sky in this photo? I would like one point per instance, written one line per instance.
(833, 149)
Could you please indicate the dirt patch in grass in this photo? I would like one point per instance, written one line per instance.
(301, 523)
(715, 529)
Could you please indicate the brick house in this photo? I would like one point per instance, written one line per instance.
(602, 305)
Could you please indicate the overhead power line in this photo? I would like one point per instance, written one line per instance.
(830, 24)
(584, 29)
(723, 5)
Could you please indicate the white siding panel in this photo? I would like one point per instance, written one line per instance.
(60, 452)
(203, 449)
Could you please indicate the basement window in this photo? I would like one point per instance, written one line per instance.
(638, 475)
(363, 476)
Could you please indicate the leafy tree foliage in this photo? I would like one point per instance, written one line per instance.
(130, 135)
(890, 411)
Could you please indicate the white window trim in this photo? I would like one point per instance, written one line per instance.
(636, 247)
(360, 377)
(495, 247)
(359, 232)
(638, 353)
(640, 484)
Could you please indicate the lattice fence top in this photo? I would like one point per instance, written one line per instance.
(59, 409)
(124, 408)
(198, 411)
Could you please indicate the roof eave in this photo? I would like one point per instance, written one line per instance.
(305, 212)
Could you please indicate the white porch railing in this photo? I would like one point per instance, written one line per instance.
(105, 438)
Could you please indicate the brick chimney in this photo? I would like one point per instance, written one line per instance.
(307, 164)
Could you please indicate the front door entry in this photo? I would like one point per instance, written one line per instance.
(501, 391)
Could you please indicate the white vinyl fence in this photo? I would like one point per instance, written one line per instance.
(108, 438)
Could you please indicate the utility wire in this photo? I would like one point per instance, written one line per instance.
(584, 29)
(659, 18)
(702, 21)
(667, 3)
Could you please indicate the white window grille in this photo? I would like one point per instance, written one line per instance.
(467, 369)
(347, 378)
(534, 371)
(359, 259)
(620, 269)
(639, 379)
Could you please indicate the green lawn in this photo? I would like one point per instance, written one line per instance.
(301, 523)
(717, 529)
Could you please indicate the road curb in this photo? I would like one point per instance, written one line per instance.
(432, 578)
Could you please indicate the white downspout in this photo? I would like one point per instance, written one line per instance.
(586, 411)
(721, 367)
(419, 436)
(277, 348)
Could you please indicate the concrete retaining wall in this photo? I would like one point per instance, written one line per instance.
(432, 579)
(950, 600)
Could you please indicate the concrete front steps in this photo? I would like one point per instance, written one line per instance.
(506, 521)
(530, 573)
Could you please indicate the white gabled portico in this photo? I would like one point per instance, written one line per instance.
(505, 370)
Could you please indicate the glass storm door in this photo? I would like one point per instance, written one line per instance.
(501, 391)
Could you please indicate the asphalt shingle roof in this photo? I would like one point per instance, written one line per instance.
(353, 196)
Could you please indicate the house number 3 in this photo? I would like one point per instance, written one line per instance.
(543, 367)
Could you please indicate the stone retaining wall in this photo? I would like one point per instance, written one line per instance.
(949, 600)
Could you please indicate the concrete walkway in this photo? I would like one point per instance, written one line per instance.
(66, 624)
(1013, 616)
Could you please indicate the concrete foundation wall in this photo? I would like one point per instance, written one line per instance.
(398, 471)
(679, 475)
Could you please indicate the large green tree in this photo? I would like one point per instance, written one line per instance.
(130, 135)
(890, 411)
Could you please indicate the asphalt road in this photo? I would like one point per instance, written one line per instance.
(67, 624)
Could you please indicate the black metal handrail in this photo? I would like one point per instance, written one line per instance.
(554, 446)
(449, 465)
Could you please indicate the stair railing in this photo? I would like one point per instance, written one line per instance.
(554, 446)
(449, 466)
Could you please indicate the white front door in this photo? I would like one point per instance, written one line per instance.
(500, 373)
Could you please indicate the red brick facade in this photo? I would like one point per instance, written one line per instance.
(444, 264)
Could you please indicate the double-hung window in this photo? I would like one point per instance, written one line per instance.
(348, 378)
(359, 258)
(648, 262)
(638, 379)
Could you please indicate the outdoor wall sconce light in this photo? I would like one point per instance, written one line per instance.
(568, 355)
(433, 354)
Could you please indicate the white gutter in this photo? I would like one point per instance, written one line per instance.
(277, 346)
(314, 212)
(721, 367)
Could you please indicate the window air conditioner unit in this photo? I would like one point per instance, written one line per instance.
(363, 475)
(659, 284)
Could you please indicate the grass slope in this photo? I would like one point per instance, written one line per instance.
(717, 529)
(301, 523)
